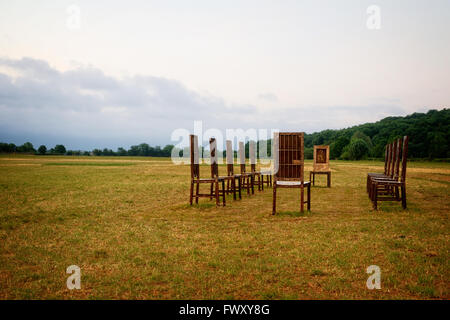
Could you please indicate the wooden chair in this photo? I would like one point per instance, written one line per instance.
(388, 188)
(196, 180)
(247, 178)
(231, 184)
(392, 168)
(289, 166)
(256, 174)
(321, 164)
(387, 155)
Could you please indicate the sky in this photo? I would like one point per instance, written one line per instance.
(95, 74)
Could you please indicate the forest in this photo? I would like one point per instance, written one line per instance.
(429, 139)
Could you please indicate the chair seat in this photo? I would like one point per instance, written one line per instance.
(292, 183)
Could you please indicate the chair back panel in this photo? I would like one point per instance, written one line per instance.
(230, 153)
(397, 158)
(321, 158)
(195, 168)
(242, 156)
(404, 157)
(213, 155)
(290, 156)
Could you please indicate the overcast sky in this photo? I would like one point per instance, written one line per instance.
(133, 71)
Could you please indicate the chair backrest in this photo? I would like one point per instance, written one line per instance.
(388, 173)
(213, 156)
(393, 158)
(290, 156)
(321, 158)
(398, 147)
(230, 158)
(195, 167)
(404, 157)
(252, 154)
(386, 157)
(242, 156)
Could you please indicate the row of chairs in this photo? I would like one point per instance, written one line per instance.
(232, 183)
(391, 184)
(288, 170)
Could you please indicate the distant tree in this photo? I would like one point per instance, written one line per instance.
(121, 151)
(337, 146)
(59, 149)
(42, 149)
(358, 149)
(167, 150)
(27, 147)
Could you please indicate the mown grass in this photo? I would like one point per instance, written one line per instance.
(127, 223)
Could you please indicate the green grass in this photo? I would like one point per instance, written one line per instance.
(128, 225)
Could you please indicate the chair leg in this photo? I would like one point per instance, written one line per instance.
(329, 179)
(223, 193)
(211, 191)
(274, 204)
(403, 196)
(252, 179)
(217, 192)
(233, 185)
(375, 196)
(262, 184)
(191, 193)
(302, 199)
(197, 191)
(239, 183)
(309, 197)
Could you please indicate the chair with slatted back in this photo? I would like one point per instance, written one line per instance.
(247, 178)
(289, 166)
(196, 180)
(256, 174)
(388, 188)
(231, 184)
(392, 170)
(387, 162)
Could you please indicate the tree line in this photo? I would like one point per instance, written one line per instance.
(429, 138)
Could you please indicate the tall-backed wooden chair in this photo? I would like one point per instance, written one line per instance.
(321, 164)
(196, 180)
(388, 188)
(231, 184)
(215, 170)
(247, 178)
(393, 171)
(289, 166)
(388, 160)
(256, 174)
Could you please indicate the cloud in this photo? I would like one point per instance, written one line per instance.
(84, 108)
(270, 97)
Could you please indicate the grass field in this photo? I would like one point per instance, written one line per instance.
(127, 224)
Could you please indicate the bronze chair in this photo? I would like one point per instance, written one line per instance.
(321, 164)
(231, 184)
(256, 174)
(196, 180)
(247, 178)
(388, 154)
(289, 166)
(388, 188)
